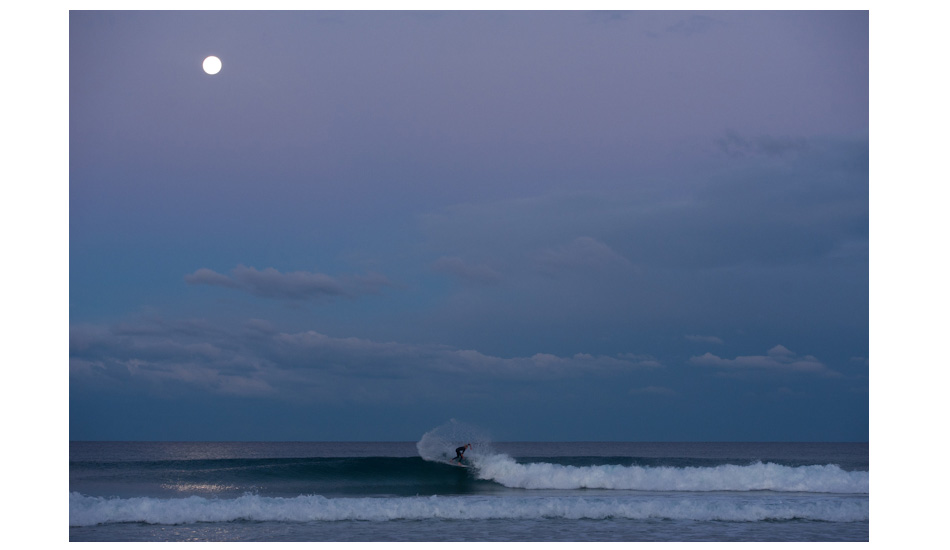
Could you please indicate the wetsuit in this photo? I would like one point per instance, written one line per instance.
(458, 453)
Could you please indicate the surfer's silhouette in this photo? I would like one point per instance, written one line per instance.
(460, 452)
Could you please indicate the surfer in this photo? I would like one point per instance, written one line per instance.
(460, 452)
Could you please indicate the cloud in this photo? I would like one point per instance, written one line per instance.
(580, 253)
(256, 359)
(470, 273)
(777, 201)
(641, 360)
(295, 285)
(362, 357)
(162, 354)
(736, 145)
(777, 359)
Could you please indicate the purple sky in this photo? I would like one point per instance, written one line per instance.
(555, 225)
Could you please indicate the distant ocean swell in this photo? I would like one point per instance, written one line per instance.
(86, 511)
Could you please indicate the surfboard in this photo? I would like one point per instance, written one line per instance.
(455, 463)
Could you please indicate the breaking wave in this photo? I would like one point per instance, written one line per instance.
(759, 476)
(87, 511)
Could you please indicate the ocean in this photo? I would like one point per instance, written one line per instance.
(402, 491)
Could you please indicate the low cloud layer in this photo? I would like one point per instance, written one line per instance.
(257, 360)
(294, 285)
(777, 359)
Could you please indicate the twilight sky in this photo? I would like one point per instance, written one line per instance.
(553, 225)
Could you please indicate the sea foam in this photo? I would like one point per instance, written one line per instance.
(758, 476)
(86, 510)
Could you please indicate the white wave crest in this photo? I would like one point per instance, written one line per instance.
(439, 443)
(752, 477)
(87, 511)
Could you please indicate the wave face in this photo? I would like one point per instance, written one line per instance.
(87, 511)
(347, 476)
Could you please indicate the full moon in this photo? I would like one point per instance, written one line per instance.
(211, 65)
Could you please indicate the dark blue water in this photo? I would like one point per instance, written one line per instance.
(511, 492)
